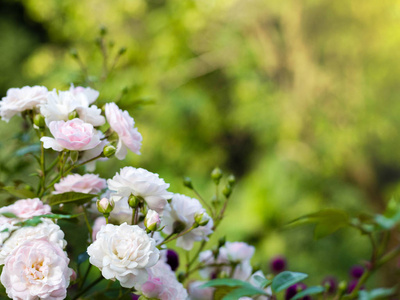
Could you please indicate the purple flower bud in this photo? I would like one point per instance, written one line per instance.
(172, 259)
(352, 285)
(294, 289)
(331, 283)
(135, 297)
(278, 264)
(356, 271)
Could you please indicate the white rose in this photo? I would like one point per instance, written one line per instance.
(183, 209)
(18, 100)
(123, 252)
(46, 229)
(140, 183)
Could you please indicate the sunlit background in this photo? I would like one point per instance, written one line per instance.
(299, 99)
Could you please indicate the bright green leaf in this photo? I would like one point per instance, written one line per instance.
(224, 282)
(244, 291)
(376, 293)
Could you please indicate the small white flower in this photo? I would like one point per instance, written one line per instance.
(19, 100)
(90, 95)
(140, 183)
(124, 253)
(87, 183)
(46, 229)
(152, 220)
(183, 209)
(237, 253)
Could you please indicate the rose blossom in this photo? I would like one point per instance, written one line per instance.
(72, 135)
(183, 209)
(162, 284)
(140, 183)
(27, 208)
(90, 95)
(46, 229)
(60, 105)
(18, 100)
(123, 252)
(232, 252)
(123, 124)
(88, 184)
(98, 223)
(36, 269)
(198, 293)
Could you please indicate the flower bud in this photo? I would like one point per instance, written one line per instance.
(231, 180)
(356, 271)
(172, 259)
(216, 175)
(227, 191)
(103, 30)
(342, 286)
(278, 264)
(187, 182)
(178, 226)
(105, 206)
(201, 219)
(72, 115)
(330, 284)
(109, 150)
(38, 120)
(181, 276)
(122, 50)
(221, 241)
(152, 220)
(215, 201)
(133, 201)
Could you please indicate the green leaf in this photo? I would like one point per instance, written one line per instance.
(28, 149)
(244, 291)
(224, 282)
(262, 282)
(376, 293)
(9, 215)
(326, 221)
(19, 193)
(78, 198)
(309, 291)
(30, 222)
(221, 292)
(285, 279)
(58, 216)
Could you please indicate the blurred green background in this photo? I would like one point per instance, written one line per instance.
(298, 98)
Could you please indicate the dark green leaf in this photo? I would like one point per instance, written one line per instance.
(309, 291)
(77, 198)
(285, 279)
(262, 282)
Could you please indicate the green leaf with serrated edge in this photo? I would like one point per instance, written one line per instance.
(224, 282)
(309, 291)
(376, 293)
(285, 279)
(19, 193)
(244, 291)
(326, 221)
(69, 197)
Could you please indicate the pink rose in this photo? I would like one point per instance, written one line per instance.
(123, 125)
(98, 223)
(36, 269)
(88, 184)
(27, 208)
(72, 135)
